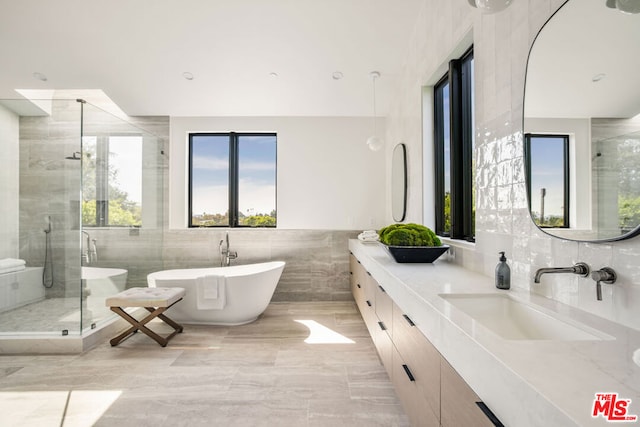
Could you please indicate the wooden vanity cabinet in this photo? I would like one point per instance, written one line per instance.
(430, 390)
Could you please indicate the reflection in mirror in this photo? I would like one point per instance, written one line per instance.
(399, 183)
(582, 123)
(547, 162)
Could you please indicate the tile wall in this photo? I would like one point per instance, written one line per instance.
(501, 44)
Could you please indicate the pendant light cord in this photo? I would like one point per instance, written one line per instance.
(374, 75)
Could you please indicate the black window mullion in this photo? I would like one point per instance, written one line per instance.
(567, 175)
(466, 146)
(457, 157)
(439, 156)
(233, 179)
(190, 214)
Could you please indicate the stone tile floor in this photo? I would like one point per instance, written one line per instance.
(260, 374)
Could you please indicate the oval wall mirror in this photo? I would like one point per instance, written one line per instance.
(582, 123)
(399, 183)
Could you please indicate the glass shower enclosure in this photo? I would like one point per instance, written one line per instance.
(81, 214)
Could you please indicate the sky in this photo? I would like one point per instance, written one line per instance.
(257, 174)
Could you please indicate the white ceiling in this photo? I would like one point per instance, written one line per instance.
(136, 51)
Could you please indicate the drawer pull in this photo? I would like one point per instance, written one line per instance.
(408, 372)
(382, 289)
(368, 273)
(490, 415)
(369, 303)
(382, 326)
(358, 285)
(408, 319)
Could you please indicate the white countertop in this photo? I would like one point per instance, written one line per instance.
(524, 382)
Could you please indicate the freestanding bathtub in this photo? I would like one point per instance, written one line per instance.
(103, 282)
(99, 283)
(248, 291)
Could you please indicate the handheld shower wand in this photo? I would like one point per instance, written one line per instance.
(47, 271)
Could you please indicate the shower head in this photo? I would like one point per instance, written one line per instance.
(75, 156)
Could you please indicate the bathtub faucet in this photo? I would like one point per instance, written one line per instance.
(90, 250)
(226, 255)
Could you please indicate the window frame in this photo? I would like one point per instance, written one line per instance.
(566, 168)
(459, 77)
(234, 161)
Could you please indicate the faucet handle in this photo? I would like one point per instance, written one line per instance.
(606, 275)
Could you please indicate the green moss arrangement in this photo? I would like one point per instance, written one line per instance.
(408, 235)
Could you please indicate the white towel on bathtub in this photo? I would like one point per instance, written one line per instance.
(210, 292)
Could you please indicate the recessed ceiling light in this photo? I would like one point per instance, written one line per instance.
(598, 77)
(40, 76)
(273, 74)
(337, 75)
(187, 75)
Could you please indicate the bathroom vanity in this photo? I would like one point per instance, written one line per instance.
(439, 330)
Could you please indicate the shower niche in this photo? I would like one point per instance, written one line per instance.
(76, 180)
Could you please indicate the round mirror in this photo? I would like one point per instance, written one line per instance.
(399, 183)
(582, 123)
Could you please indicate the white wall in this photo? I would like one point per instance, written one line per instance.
(501, 46)
(9, 183)
(327, 177)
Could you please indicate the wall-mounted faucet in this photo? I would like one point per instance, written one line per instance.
(226, 255)
(580, 268)
(606, 275)
(89, 249)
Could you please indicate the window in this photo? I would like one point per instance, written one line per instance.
(454, 149)
(112, 181)
(547, 164)
(232, 180)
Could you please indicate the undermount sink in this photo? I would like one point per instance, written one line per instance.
(514, 320)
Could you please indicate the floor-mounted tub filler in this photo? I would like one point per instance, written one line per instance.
(221, 295)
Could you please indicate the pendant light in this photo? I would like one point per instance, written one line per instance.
(490, 6)
(374, 142)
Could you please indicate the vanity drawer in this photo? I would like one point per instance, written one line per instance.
(355, 276)
(413, 401)
(384, 309)
(459, 402)
(418, 352)
(384, 345)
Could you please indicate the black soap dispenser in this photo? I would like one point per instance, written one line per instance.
(503, 273)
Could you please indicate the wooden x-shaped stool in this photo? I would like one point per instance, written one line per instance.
(156, 301)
